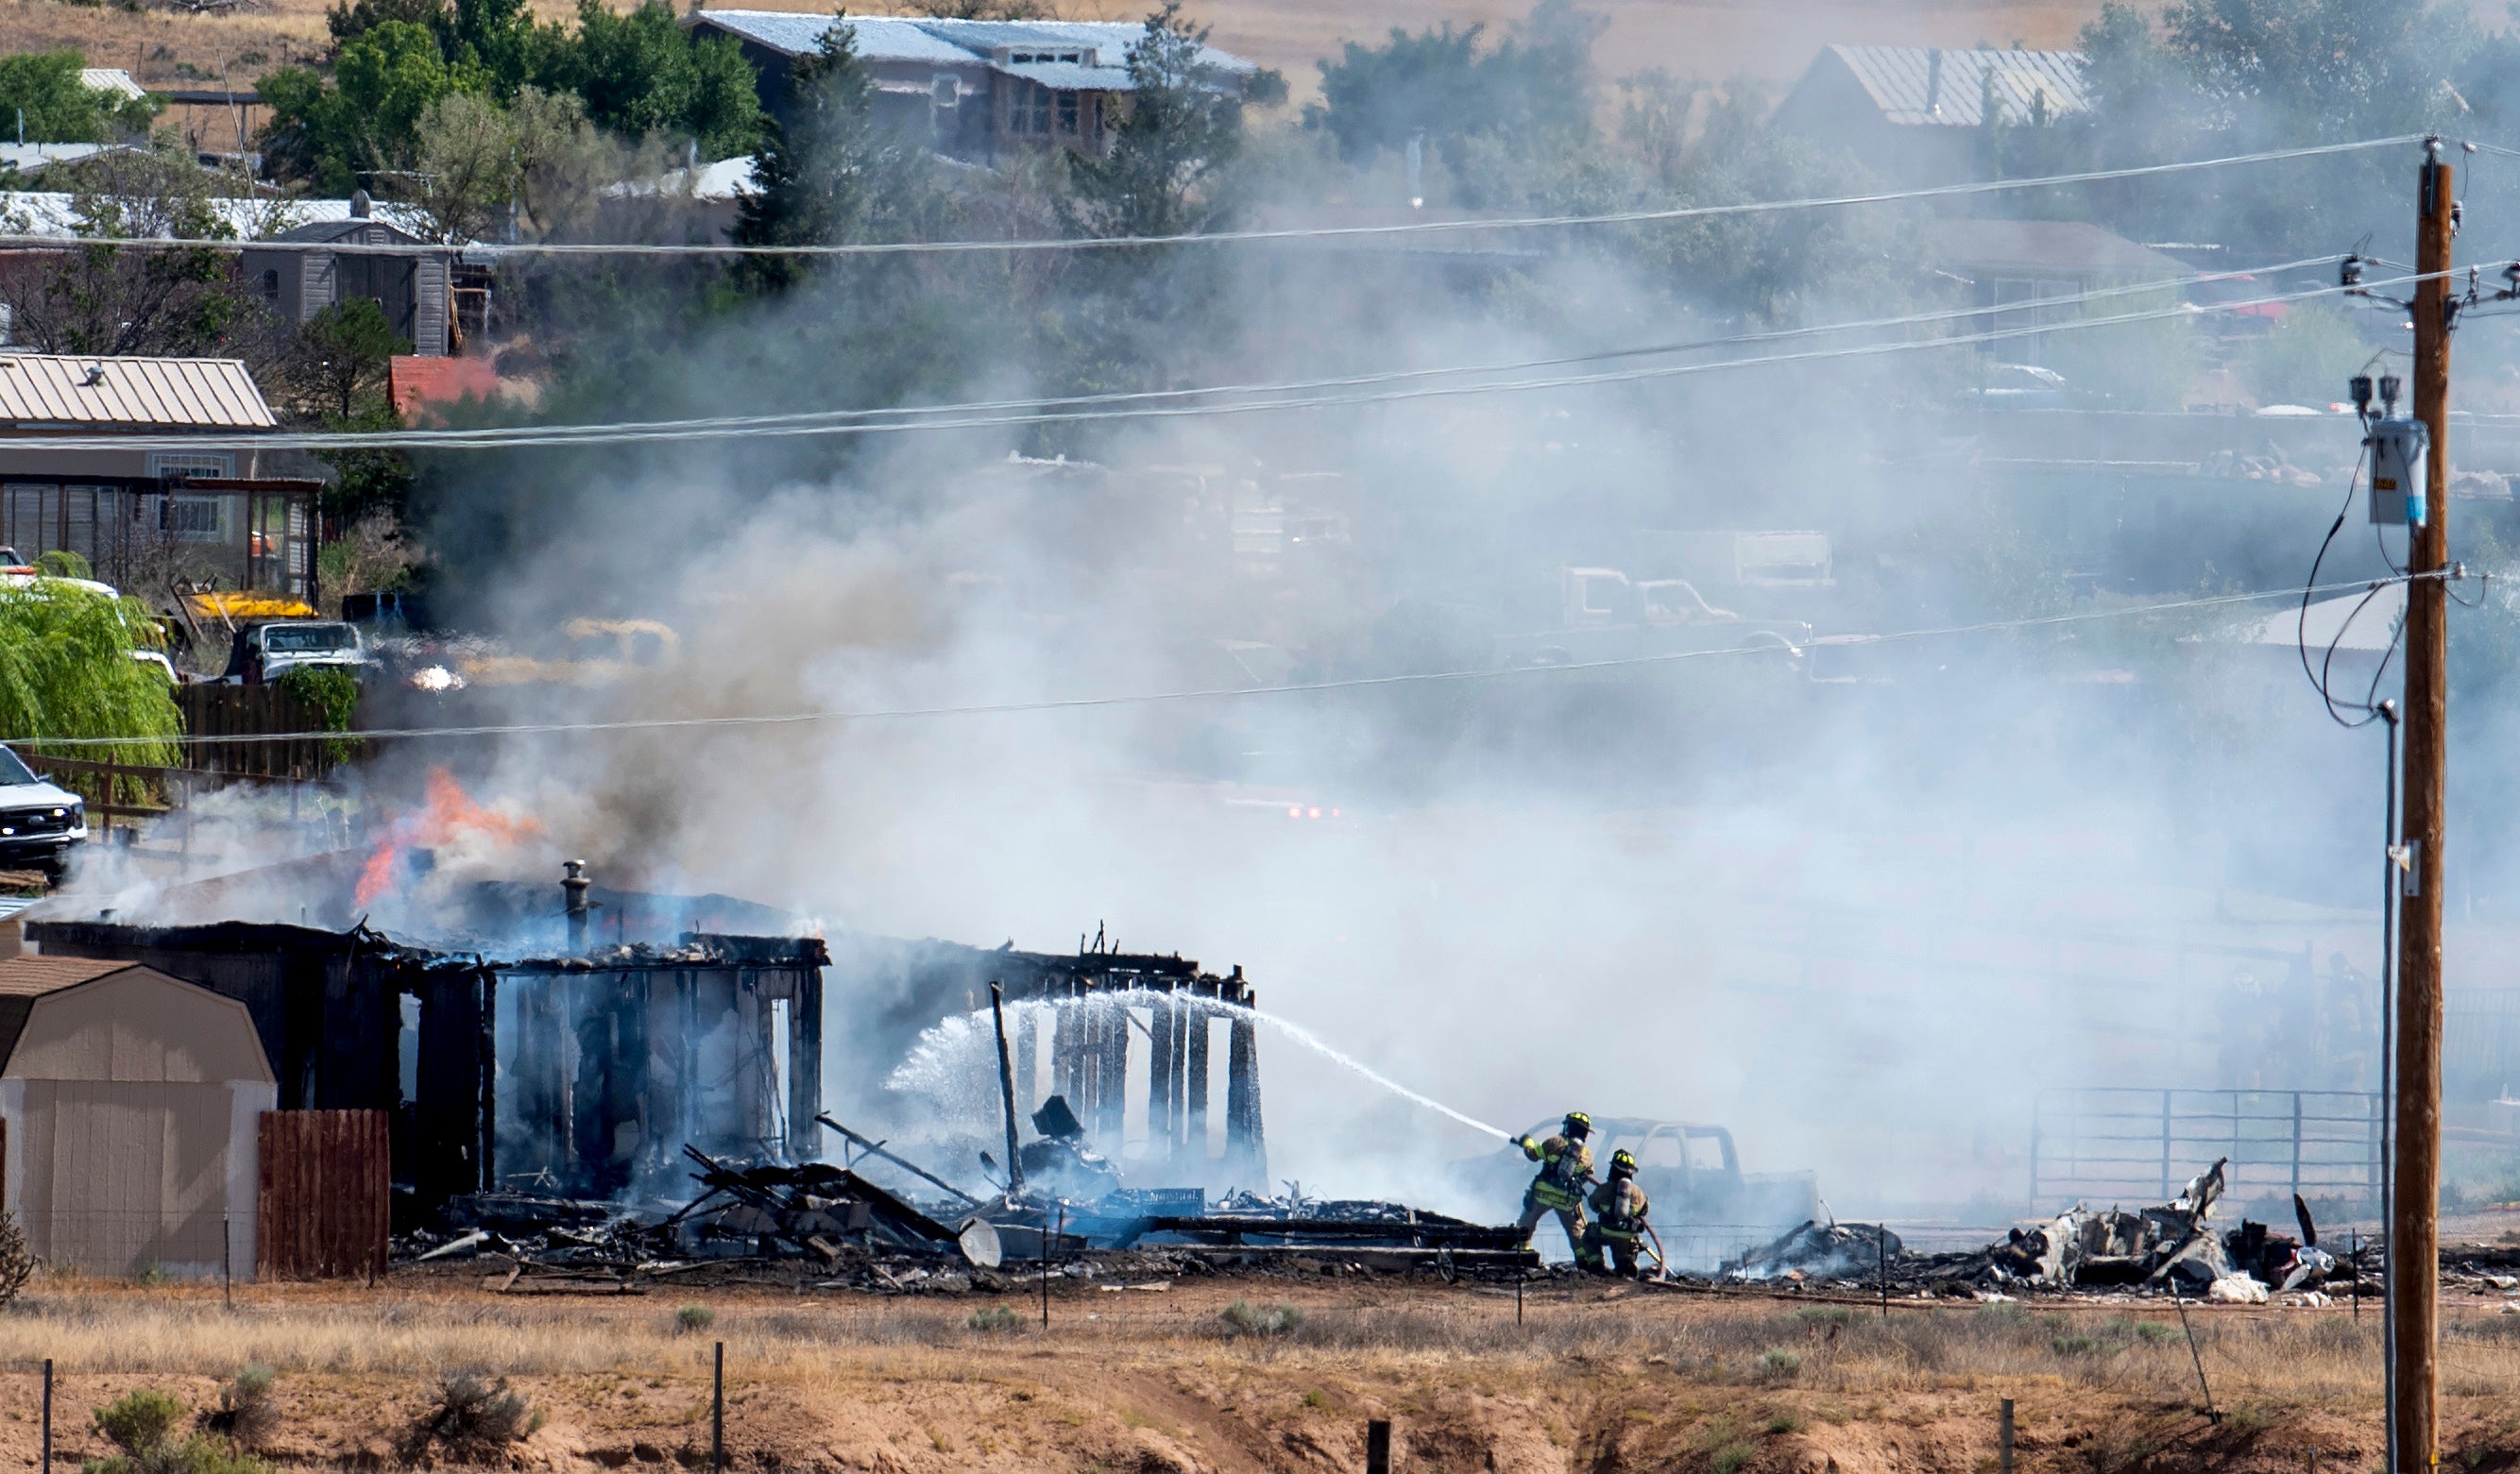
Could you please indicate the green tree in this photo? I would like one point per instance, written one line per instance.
(640, 73)
(830, 173)
(44, 88)
(338, 371)
(340, 357)
(98, 299)
(65, 671)
(1536, 91)
(1164, 171)
(340, 136)
(2306, 358)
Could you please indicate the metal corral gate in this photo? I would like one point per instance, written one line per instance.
(2106, 1144)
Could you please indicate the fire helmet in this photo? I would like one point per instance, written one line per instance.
(1623, 1163)
(1578, 1124)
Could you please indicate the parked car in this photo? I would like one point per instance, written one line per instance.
(263, 651)
(40, 820)
(2025, 386)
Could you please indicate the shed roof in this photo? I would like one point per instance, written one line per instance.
(179, 393)
(2061, 247)
(78, 1018)
(24, 978)
(55, 213)
(364, 230)
(110, 79)
(30, 159)
(1901, 81)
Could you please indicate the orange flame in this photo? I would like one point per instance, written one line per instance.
(449, 813)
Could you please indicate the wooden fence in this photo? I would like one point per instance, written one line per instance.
(218, 711)
(327, 1195)
(131, 791)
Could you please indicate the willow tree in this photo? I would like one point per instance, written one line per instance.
(67, 671)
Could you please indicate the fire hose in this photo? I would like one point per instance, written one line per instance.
(1662, 1265)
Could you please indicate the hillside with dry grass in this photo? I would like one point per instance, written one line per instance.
(1246, 1375)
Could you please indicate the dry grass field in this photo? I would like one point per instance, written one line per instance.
(1595, 1378)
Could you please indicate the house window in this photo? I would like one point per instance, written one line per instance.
(191, 464)
(1040, 110)
(193, 519)
(1068, 115)
(271, 284)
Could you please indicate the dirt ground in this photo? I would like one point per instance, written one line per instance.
(1171, 1376)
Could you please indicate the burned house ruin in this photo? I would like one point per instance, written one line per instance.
(615, 1032)
(575, 1075)
(1099, 1017)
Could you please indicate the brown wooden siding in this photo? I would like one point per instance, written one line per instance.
(326, 1195)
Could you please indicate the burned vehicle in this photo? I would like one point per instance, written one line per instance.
(1688, 1169)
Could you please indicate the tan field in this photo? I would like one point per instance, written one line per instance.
(1595, 1377)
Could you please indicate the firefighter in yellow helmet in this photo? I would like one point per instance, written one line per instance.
(1619, 1215)
(1565, 1167)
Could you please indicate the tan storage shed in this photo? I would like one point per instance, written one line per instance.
(130, 1103)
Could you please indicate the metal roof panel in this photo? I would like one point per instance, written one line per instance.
(1901, 81)
(176, 393)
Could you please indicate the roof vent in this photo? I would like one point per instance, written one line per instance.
(360, 209)
(95, 377)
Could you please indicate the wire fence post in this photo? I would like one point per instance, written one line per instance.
(717, 1408)
(2003, 1438)
(1378, 1445)
(227, 1259)
(48, 1416)
(1881, 1245)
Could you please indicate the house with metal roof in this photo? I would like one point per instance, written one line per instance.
(150, 512)
(1919, 115)
(972, 89)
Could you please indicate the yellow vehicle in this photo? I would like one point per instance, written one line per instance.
(594, 652)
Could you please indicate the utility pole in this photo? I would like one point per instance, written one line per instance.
(2413, 1229)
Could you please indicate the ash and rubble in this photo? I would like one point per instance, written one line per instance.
(2169, 1248)
(829, 1227)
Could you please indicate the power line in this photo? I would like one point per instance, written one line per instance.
(1134, 406)
(493, 250)
(1769, 646)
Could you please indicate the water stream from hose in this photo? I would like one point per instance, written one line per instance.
(950, 1054)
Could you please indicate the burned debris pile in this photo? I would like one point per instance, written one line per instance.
(2169, 1248)
(1820, 1251)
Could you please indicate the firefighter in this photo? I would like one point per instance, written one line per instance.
(1619, 1215)
(1565, 1167)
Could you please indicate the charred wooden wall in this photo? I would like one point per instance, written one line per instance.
(328, 1006)
(616, 1060)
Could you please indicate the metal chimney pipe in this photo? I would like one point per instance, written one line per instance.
(573, 887)
(1934, 83)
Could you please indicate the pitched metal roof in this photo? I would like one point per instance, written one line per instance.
(893, 39)
(880, 39)
(110, 79)
(51, 212)
(173, 394)
(1902, 82)
(30, 159)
